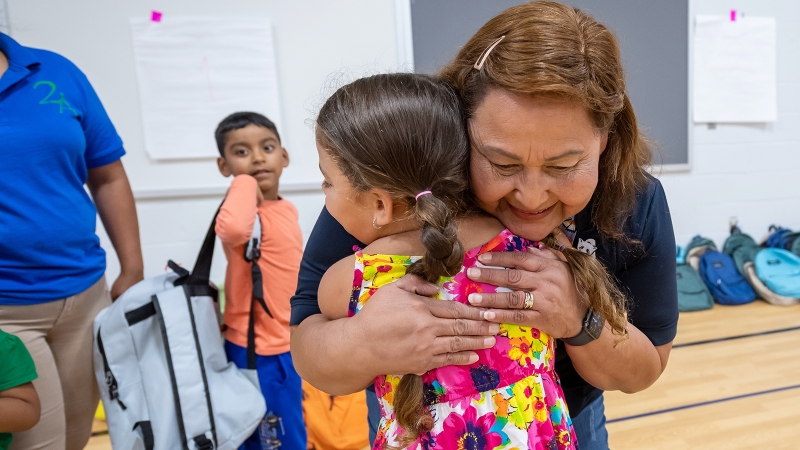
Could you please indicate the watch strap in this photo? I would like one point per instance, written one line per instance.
(591, 328)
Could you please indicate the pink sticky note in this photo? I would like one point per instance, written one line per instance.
(733, 15)
(155, 16)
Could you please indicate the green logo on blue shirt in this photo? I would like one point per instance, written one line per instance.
(62, 102)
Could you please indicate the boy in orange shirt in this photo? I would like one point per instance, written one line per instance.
(251, 151)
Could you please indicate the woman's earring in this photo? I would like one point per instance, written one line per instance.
(377, 227)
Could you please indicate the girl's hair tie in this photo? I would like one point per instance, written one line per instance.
(416, 197)
(561, 248)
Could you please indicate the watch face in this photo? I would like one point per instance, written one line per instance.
(594, 325)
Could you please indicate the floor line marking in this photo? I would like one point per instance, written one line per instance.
(709, 402)
(741, 336)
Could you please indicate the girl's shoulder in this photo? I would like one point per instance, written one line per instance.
(476, 230)
(334, 288)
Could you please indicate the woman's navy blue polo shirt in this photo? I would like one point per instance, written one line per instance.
(53, 129)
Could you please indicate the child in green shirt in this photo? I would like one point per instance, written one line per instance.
(19, 403)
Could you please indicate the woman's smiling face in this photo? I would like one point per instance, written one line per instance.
(534, 160)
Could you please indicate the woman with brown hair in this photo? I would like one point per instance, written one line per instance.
(555, 146)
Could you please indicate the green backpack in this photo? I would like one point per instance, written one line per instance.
(742, 248)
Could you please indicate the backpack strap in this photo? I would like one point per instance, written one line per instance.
(251, 254)
(176, 319)
(202, 266)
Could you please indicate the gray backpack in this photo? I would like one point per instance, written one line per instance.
(164, 378)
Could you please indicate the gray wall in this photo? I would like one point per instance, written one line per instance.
(654, 44)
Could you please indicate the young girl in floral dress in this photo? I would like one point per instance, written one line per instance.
(394, 154)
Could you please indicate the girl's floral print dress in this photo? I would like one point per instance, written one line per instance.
(510, 398)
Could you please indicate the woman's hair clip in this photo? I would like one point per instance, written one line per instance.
(482, 58)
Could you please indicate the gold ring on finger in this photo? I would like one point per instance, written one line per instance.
(528, 304)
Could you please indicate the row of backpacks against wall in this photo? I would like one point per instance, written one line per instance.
(743, 271)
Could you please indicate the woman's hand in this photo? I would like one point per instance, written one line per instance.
(400, 330)
(123, 282)
(409, 332)
(557, 309)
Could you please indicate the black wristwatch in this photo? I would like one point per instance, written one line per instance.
(591, 329)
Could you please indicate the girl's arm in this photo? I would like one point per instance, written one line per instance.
(238, 212)
(114, 200)
(19, 408)
(335, 289)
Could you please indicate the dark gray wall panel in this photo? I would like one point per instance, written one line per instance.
(653, 39)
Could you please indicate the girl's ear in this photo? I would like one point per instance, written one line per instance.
(382, 206)
(223, 167)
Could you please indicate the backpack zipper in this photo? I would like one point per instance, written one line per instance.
(111, 381)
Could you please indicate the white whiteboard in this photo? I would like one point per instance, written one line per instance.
(194, 71)
(735, 69)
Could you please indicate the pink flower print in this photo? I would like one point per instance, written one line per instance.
(468, 432)
(471, 258)
(464, 402)
(463, 286)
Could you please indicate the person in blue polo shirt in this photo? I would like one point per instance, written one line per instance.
(55, 137)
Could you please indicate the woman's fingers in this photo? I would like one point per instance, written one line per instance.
(459, 344)
(413, 333)
(454, 359)
(510, 278)
(501, 300)
(453, 310)
(528, 318)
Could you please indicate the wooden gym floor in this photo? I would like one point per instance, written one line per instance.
(732, 382)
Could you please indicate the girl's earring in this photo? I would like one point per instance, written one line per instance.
(377, 227)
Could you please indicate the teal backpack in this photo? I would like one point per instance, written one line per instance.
(693, 295)
(779, 269)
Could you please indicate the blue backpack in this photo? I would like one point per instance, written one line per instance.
(780, 270)
(778, 237)
(727, 285)
(680, 255)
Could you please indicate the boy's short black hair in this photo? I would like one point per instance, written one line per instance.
(240, 120)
